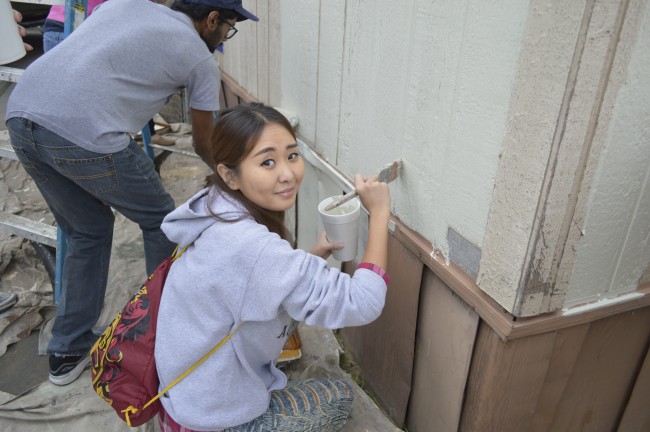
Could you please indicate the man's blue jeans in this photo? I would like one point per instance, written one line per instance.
(80, 187)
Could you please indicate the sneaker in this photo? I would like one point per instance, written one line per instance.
(7, 300)
(64, 370)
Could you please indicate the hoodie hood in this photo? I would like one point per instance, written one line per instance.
(185, 224)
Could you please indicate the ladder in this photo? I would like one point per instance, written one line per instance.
(18, 225)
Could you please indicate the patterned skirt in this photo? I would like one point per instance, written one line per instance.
(317, 404)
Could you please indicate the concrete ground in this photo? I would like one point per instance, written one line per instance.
(28, 401)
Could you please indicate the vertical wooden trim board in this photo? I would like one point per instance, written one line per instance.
(504, 381)
(566, 348)
(386, 346)
(443, 351)
(636, 415)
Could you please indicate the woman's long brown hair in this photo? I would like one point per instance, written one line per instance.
(237, 132)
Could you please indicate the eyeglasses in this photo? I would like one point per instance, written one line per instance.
(232, 31)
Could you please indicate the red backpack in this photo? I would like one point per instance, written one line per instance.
(123, 364)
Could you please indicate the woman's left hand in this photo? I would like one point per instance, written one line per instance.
(323, 248)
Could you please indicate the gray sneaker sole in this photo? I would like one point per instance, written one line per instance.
(66, 379)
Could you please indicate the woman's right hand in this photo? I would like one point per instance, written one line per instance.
(375, 195)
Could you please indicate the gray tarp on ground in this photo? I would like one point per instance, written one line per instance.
(75, 407)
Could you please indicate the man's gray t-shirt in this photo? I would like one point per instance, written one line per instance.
(113, 73)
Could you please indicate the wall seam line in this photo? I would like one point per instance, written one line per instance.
(338, 123)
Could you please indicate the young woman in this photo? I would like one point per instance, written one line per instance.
(239, 268)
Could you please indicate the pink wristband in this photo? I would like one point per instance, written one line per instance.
(375, 268)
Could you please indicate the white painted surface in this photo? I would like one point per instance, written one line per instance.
(615, 250)
(262, 32)
(415, 89)
(330, 71)
(299, 64)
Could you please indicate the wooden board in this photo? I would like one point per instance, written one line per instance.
(604, 373)
(577, 379)
(636, 415)
(504, 381)
(566, 349)
(385, 348)
(443, 350)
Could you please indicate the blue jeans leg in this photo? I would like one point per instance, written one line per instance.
(51, 39)
(80, 187)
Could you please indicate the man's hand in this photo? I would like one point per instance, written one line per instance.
(18, 17)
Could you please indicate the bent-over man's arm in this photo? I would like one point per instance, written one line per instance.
(202, 125)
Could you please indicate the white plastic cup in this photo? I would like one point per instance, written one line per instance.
(11, 47)
(342, 226)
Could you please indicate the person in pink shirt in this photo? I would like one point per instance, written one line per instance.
(53, 27)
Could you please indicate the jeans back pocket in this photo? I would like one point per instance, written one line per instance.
(96, 175)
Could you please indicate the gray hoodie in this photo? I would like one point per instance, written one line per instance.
(236, 272)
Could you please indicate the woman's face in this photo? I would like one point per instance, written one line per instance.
(271, 173)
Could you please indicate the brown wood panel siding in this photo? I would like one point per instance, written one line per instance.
(447, 329)
(385, 348)
(575, 379)
(504, 381)
(604, 373)
(566, 349)
(636, 416)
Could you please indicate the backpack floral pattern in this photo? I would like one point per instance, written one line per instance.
(130, 323)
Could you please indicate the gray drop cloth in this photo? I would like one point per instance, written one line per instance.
(75, 407)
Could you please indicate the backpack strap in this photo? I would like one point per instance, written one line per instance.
(176, 254)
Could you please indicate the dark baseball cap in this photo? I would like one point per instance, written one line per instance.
(234, 5)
